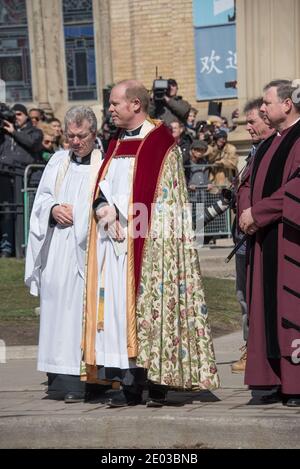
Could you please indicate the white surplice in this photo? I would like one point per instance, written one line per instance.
(55, 260)
(111, 343)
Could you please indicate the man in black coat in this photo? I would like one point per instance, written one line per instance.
(20, 144)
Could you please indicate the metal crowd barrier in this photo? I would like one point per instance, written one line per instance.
(20, 201)
(28, 198)
(220, 226)
(13, 206)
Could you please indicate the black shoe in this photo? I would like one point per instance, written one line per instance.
(155, 402)
(293, 402)
(157, 396)
(75, 397)
(272, 398)
(121, 399)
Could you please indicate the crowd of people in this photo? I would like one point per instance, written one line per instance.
(121, 330)
(27, 139)
(220, 156)
(121, 300)
(33, 138)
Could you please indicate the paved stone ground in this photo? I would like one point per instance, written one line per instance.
(227, 418)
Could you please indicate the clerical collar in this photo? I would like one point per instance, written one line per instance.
(134, 132)
(79, 160)
(280, 133)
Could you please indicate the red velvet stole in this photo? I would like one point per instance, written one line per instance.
(150, 153)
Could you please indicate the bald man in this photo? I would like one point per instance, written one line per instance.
(145, 314)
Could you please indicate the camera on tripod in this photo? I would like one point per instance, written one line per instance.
(6, 114)
(226, 200)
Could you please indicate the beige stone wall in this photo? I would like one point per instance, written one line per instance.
(268, 43)
(268, 47)
(153, 33)
(133, 37)
(146, 34)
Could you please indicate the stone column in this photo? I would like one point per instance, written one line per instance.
(102, 38)
(49, 78)
(38, 56)
(268, 44)
(53, 26)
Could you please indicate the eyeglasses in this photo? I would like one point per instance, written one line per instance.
(35, 119)
(80, 137)
(48, 141)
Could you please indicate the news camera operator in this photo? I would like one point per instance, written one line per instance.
(166, 105)
(20, 144)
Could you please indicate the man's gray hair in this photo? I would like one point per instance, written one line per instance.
(253, 104)
(285, 90)
(77, 114)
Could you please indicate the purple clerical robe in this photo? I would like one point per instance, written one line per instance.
(270, 338)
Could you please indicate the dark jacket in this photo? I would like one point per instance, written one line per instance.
(22, 147)
(184, 144)
(175, 109)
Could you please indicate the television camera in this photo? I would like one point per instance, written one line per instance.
(6, 114)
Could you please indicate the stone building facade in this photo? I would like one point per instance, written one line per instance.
(134, 37)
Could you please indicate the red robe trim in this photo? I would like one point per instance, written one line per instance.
(150, 153)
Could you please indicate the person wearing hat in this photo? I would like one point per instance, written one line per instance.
(23, 141)
(19, 146)
(224, 159)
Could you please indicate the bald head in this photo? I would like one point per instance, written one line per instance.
(129, 102)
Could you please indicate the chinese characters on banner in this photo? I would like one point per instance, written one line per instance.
(215, 48)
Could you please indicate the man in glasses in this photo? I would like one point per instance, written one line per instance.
(144, 310)
(36, 115)
(56, 253)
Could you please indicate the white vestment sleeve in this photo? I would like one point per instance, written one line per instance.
(120, 247)
(81, 215)
(40, 232)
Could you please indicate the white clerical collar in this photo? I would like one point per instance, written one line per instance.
(279, 134)
(79, 160)
(144, 130)
(133, 132)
